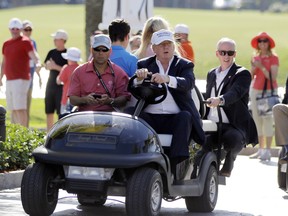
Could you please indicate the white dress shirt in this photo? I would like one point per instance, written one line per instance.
(168, 106)
(213, 113)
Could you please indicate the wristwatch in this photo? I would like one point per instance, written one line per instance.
(222, 101)
(112, 102)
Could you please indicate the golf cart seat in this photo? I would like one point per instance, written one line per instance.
(208, 125)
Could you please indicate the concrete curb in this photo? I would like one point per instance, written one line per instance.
(13, 179)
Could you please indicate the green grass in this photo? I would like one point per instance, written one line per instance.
(46, 20)
(206, 28)
(37, 114)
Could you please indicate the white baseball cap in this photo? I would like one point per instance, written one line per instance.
(27, 23)
(181, 28)
(101, 40)
(15, 23)
(72, 54)
(60, 34)
(162, 35)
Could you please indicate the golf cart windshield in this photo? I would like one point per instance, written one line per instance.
(101, 127)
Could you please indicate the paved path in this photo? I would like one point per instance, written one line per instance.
(252, 190)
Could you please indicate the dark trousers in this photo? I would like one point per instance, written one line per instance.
(233, 142)
(179, 125)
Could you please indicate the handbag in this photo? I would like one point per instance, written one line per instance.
(265, 101)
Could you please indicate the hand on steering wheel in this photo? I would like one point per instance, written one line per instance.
(143, 73)
(147, 90)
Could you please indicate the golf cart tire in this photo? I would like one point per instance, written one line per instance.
(39, 195)
(207, 201)
(286, 180)
(144, 193)
(91, 200)
(281, 175)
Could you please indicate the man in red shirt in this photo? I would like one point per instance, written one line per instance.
(17, 52)
(99, 85)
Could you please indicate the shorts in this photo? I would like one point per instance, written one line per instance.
(53, 98)
(16, 94)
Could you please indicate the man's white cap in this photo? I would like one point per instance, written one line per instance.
(162, 35)
(181, 28)
(101, 40)
(72, 54)
(60, 34)
(15, 23)
(27, 23)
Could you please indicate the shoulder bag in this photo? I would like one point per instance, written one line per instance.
(266, 101)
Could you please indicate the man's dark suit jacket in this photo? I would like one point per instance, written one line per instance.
(235, 91)
(183, 71)
(285, 99)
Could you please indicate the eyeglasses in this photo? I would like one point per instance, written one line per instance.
(15, 29)
(97, 49)
(229, 53)
(28, 30)
(263, 40)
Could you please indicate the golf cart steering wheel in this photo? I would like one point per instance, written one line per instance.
(147, 90)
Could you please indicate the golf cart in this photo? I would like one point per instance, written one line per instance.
(100, 154)
(282, 172)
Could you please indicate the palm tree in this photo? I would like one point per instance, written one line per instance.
(93, 9)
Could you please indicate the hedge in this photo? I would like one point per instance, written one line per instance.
(16, 151)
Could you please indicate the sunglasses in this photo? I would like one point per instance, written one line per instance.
(229, 53)
(97, 49)
(263, 40)
(27, 30)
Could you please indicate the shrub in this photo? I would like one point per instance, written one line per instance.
(15, 152)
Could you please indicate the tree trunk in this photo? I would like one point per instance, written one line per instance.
(93, 9)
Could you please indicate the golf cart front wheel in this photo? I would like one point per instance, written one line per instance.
(207, 201)
(144, 193)
(39, 195)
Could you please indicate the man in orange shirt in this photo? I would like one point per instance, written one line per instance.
(181, 35)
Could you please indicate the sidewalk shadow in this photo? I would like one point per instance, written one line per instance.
(269, 163)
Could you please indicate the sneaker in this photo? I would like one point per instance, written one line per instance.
(266, 156)
(257, 155)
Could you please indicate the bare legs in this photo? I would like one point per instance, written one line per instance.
(19, 117)
(263, 153)
(50, 120)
